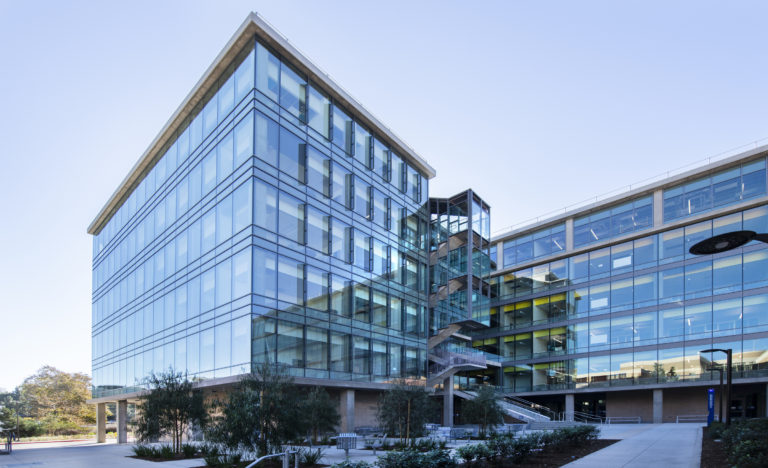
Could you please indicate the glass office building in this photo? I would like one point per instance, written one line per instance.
(603, 311)
(274, 219)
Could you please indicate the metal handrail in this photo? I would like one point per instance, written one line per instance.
(635, 419)
(691, 418)
(586, 417)
(534, 406)
(285, 456)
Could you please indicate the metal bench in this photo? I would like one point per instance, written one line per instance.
(375, 442)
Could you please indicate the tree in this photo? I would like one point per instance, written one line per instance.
(261, 414)
(320, 412)
(169, 408)
(404, 410)
(57, 399)
(484, 410)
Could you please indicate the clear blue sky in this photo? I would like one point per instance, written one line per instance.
(536, 105)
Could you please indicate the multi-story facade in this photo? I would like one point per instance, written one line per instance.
(273, 218)
(603, 310)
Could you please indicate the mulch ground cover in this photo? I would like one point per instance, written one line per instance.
(555, 459)
(178, 456)
(713, 454)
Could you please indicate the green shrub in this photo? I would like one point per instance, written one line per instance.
(522, 447)
(189, 450)
(438, 459)
(211, 455)
(746, 442)
(414, 459)
(473, 452)
(311, 457)
(500, 445)
(352, 464)
(166, 451)
(716, 430)
(141, 450)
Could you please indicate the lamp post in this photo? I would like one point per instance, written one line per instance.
(714, 245)
(729, 370)
(719, 391)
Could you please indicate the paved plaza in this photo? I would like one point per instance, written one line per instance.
(641, 445)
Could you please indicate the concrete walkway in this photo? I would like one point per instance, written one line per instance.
(647, 445)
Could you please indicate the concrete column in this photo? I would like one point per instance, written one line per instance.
(347, 408)
(448, 402)
(569, 234)
(122, 422)
(658, 406)
(101, 423)
(570, 403)
(658, 207)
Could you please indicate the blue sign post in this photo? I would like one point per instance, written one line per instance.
(710, 406)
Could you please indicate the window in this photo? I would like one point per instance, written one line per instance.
(362, 303)
(290, 344)
(318, 171)
(340, 235)
(340, 298)
(225, 158)
(244, 77)
(264, 273)
(380, 215)
(341, 179)
(267, 136)
(241, 206)
(267, 72)
(293, 93)
(319, 112)
(613, 222)
(379, 349)
(244, 140)
(362, 198)
(317, 289)
(291, 218)
(265, 205)
(361, 356)
(292, 150)
(726, 187)
(342, 130)
(241, 271)
(290, 281)
(379, 308)
(340, 357)
(317, 348)
(362, 145)
(318, 224)
(362, 250)
(224, 282)
(380, 159)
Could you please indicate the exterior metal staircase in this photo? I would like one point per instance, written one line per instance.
(512, 409)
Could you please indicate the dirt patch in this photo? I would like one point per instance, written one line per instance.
(555, 459)
(713, 454)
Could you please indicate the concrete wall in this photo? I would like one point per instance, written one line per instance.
(631, 403)
(684, 401)
(366, 405)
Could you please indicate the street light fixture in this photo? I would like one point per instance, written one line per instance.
(725, 242)
(729, 370)
(715, 245)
